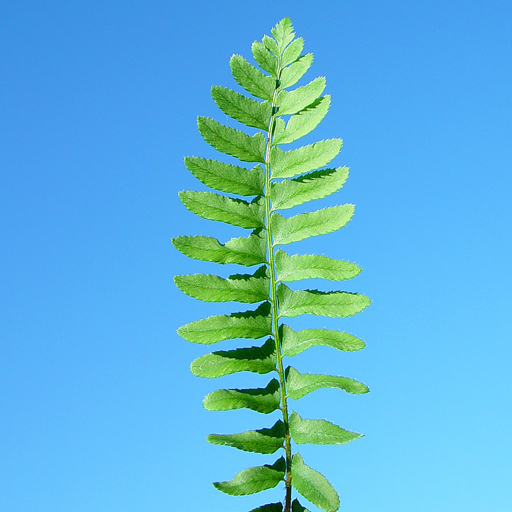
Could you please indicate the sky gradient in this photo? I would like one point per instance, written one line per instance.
(99, 100)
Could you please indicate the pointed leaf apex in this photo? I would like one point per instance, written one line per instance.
(283, 33)
(284, 27)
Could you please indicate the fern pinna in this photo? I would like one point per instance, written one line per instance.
(279, 181)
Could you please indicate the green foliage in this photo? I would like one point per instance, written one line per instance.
(265, 440)
(279, 180)
(297, 507)
(251, 79)
(225, 209)
(264, 400)
(253, 359)
(315, 302)
(253, 480)
(247, 111)
(232, 142)
(299, 385)
(295, 342)
(316, 185)
(271, 507)
(314, 486)
(226, 177)
(299, 99)
(305, 225)
(303, 122)
(293, 73)
(287, 164)
(318, 431)
(311, 266)
(238, 287)
(243, 251)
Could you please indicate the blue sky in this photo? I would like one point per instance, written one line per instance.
(99, 100)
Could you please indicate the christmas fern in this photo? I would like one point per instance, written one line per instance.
(279, 181)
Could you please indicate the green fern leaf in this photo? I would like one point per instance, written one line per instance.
(264, 400)
(253, 480)
(283, 32)
(279, 129)
(287, 164)
(270, 507)
(245, 110)
(306, 225)
(243, 251)
(293, 73)
(294, 101)
(315, 185)
(254, 359)
(304, 121)
(238, 287)
(280, 180)
(248, 324)
(297, 507)
(264, 58)
(226, 177)
(292, 52)
(315, 302)
(232, 142)
(319, 432)
(312, 266)
(295, 342)
(237, 212)
(266, 440)
(301, 384)
(272, 46)
(252, 79)
(314, 486)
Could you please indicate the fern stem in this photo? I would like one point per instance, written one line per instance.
(273, 296)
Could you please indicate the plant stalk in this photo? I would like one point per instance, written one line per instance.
(273, 297)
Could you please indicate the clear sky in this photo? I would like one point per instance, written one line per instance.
(98, 107)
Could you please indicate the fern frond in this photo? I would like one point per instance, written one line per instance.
(279, 180)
